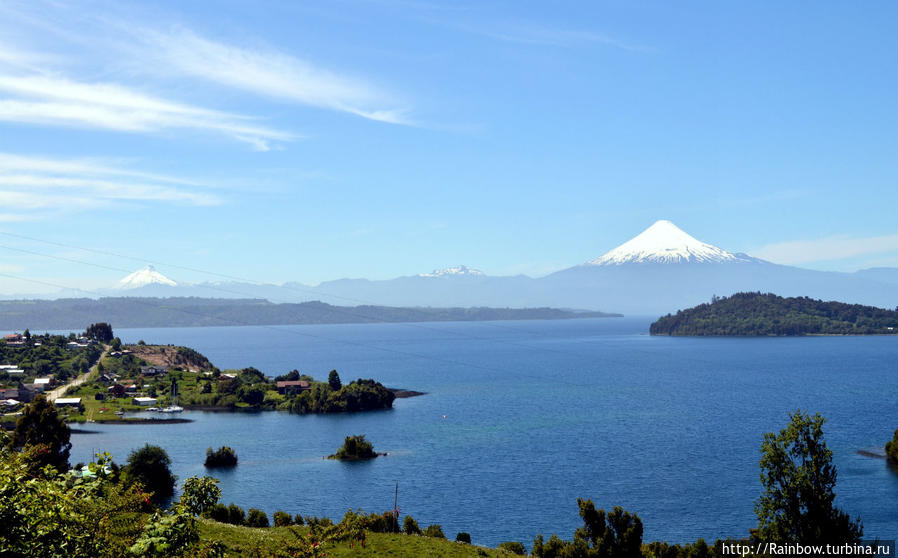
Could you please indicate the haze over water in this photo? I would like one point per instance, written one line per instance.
(522, 418)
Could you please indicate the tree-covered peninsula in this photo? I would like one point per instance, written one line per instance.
(757, 314)
(140, 377)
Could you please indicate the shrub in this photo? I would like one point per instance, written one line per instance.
(256, 518)
(512, 546)
(222, 457)
(200, 494)
(149, 466)
(410, 526)
(218, 512)
(435, 531)
(298, 520)
(314, 521)
(236, 516)
(463, 537)
(282, 519)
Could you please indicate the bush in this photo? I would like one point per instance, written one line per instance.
(463, 538)
(314, 521)
(149, 466)
(513, 546)
(222, 457)
(298, 520)
(410, 526)
(218, 512)
(256, 518)
(200, 494)
(236, 516)
(282, 519)
(435, 531)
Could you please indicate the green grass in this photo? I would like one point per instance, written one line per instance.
(246, 541)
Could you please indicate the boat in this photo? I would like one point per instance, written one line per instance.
(172, 409)
(154, 409)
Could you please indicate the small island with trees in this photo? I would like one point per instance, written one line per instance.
(223, 457)
(757, 314)
(355, 448)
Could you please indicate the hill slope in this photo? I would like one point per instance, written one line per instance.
(752, 314)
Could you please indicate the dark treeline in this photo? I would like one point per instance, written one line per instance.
(196, 312)
(749, 314)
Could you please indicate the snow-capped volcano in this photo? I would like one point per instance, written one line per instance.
(458, 270)
(144, 277)
(664, 242)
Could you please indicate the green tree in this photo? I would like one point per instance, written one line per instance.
(355, 447)
(150, 466)
(410, 526)
(100, 332)
(282, 519)
(799, 479)
(200, 494)
(333, 380)
(617, 534)
(892, 449)
(41, 429)
(256, 518)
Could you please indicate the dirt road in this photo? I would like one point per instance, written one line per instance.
(57, 393)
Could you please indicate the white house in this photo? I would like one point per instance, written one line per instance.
(68, 402)
(144, 401)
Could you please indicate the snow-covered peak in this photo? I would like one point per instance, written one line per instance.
(458, 270)
(664, 242)
(144, 277)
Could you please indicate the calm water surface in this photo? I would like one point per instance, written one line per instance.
(522, 418)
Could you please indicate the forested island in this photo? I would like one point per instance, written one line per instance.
(757, 314)
(199, 312)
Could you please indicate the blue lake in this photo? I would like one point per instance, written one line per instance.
(522, 418)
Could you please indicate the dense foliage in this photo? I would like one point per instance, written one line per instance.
(799, 479)
(41, 429)
(892, 449)
(747, 314)
(149, 467)
(617, 534)
(100, 332)
(355, 447)
(86, 514)
(47, 354)
(199, 494)
(222, 457)
(359, 395)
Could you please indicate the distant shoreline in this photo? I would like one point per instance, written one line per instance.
(129, 312)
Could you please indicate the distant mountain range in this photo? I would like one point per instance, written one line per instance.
(661, 270)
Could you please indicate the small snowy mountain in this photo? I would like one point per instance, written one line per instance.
(666, 243)
(144, 277)
(453, 271)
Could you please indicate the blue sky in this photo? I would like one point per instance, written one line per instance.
(313, 141)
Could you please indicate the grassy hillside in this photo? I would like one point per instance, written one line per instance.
(753, 314)
(247, 541)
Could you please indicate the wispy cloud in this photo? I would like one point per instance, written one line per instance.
(113, 71)
(270, 73)
(31, 187)
(826, 249)
(42, 99)
(542, 35)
